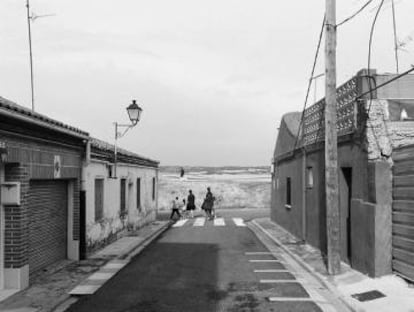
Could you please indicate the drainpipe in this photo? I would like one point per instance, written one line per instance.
(82, 203)
(303, 194)
(85, 162)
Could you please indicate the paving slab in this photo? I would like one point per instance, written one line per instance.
(118, 247)
(101, 276)
(21, 310)
(113, 265)
(82, 290)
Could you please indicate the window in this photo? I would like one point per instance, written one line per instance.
(99, 198)
(123, 196)
(139, 194)
(288, 192)
(153, 188)
(309, 177)
(110, 171)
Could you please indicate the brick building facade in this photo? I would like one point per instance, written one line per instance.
(40, 175)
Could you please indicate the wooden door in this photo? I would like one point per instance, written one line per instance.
(345, 193)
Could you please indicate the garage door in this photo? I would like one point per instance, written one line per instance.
(403, 212)
(47, 223)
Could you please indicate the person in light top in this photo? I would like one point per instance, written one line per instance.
(175, 208)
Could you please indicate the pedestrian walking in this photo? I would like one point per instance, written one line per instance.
(183, 209)
(209, 204)
(175, 208)
(191, 203)
(204, 207)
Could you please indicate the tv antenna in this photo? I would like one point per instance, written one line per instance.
(403, 43)
(34, 16)
(31, 18)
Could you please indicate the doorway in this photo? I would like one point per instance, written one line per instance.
(345, 194)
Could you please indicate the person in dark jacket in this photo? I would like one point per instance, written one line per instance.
(191, 203)
(209, 204)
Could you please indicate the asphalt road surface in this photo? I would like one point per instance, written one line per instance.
(202, 266)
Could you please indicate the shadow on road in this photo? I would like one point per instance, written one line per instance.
(165, 277)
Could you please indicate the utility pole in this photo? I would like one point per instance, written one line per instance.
(331, 145)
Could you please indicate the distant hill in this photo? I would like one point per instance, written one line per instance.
(217, 170)
(233, 186)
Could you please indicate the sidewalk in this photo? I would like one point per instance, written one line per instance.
(399, 295)
(49, 290)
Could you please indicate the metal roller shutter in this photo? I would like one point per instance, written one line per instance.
(403, 212)
(47, 223)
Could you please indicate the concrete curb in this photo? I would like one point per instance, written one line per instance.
(310, 270)
(128, 255)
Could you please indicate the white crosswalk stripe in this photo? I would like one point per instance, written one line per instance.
(239, 222)
(254, 253)
(264, 260)
(219, 222)
(270, 271)
(273, 281)
(202, 221)
(199, 221)
(180, 223)
(289, 299)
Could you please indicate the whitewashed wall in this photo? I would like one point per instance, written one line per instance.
(98, 233)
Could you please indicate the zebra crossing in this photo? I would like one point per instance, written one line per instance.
(202, 222)
(199, 222)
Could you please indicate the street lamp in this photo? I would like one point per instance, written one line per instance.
(134, 114)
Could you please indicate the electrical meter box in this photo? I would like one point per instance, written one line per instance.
(10, 193)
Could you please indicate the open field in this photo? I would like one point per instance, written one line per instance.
(233, 187)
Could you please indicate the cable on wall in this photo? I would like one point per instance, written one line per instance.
(371, 35)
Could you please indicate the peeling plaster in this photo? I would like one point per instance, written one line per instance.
(379, 144)
(102, 230)
(383, 134)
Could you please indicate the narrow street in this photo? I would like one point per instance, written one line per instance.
(201, 265)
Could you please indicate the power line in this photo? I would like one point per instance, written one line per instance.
(355, 14)
(371, 35)
(310, 80)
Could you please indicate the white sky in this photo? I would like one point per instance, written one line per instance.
(214, 77)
